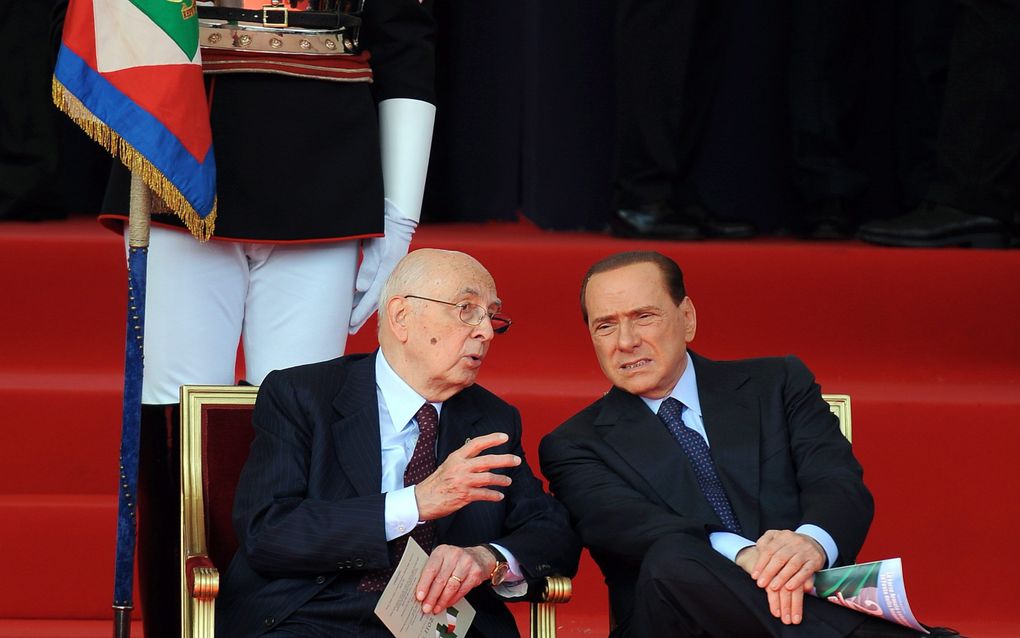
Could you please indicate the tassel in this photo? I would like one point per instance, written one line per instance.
(201, 228)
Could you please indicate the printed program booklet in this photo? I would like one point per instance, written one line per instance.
(873, 588)
(401, 612)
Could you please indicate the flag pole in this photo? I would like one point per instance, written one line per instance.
(127, 508)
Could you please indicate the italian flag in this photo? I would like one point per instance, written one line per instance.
(129, 73)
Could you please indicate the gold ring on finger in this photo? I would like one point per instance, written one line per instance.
(456, 578)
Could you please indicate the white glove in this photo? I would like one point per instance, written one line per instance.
(380, 257)
(405, 139)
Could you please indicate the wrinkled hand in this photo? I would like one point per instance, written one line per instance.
(381, 255)
(450, 573)
(783, 563)
(463, 478)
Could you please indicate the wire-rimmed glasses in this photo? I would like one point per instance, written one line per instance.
(472, 314)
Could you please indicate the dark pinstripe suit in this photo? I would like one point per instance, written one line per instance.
(309, 514)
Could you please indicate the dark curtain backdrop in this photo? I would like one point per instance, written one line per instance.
(525, 121)
(525, 115)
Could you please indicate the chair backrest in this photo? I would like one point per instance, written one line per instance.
(839, 404)
(216, 434)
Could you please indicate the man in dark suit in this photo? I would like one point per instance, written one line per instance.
(348, 461)
(711, 518)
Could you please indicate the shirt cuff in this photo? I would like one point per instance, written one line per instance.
(728, 544)
(515, 585)
(401, 513)
(824, 539)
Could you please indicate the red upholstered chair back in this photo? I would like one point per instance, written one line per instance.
(216, 435)
(226, 437)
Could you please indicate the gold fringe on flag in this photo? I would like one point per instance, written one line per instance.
(201, 228)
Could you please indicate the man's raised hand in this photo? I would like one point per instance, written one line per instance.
(465, 477)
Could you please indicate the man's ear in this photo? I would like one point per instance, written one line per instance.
(397, 314)
(690, 319)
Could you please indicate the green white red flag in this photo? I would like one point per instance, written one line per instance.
(129, 72)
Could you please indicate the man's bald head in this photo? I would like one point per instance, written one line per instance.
(421, 332)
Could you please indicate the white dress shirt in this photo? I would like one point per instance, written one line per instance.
(398, 432)
(727, 543)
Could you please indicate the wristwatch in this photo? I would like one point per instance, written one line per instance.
(502, 567)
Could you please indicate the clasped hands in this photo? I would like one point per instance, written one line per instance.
(464, 477)
(783, 563)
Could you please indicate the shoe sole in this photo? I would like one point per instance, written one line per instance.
(973, 240)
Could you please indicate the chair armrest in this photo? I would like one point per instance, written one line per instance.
(203, 577)
(556, 590)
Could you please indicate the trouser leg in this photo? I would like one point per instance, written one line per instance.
(298, 306)
(194, 309)
(653, 42)
(159, 569)
(686, 588)
(194, 304)
(829, 45)
(978, 159)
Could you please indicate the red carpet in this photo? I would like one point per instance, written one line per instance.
(927, 342)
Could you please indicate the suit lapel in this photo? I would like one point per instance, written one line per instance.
(638, 436)
(461, 419)
(733, 423)
(356, 430)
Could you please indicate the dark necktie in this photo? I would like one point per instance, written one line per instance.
(701, 460)
(422, 463)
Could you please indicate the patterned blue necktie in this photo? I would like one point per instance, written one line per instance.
(697, 451)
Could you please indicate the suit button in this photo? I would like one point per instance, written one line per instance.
(268, 622)
(359, 562)
(340, 565)
(319, 580)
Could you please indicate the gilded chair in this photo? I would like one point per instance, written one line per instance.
(216, 433)
(839, 404)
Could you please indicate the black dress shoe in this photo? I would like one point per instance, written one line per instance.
(879, 628)
(653, 221)
(713, 226)
(936, 226)
(827, 221)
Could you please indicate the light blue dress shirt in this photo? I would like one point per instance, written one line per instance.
(398, 432)
(726, 543)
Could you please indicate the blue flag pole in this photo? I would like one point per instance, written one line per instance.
(127, 508)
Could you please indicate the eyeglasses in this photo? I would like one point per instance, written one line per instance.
(472, 314)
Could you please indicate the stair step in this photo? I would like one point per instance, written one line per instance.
(89, 408)
(919, 459)
(49, 628)
(58, 548)
(846, 303)
(925, 341)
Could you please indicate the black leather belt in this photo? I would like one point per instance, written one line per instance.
(281, 17)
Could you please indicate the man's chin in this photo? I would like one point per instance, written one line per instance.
(633, 382)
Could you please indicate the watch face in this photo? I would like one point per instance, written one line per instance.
(499, 574)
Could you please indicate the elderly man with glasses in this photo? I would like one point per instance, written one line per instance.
(353, 456)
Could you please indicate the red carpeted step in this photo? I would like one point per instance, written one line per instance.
(926, 342)
(61, 433)
(59, 555)
(836, 305)
(48, 628)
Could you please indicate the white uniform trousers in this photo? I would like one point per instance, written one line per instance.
(289, 303)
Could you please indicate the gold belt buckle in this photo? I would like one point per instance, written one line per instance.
(275, 15)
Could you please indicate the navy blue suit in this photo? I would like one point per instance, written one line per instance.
(309, 512)
(779, 454)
